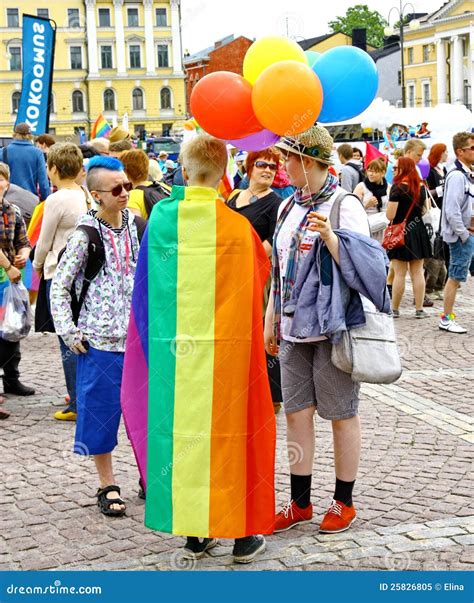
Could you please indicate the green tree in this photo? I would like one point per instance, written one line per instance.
(361, 16)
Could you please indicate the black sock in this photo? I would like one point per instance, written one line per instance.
(343, 492)
(301, 490)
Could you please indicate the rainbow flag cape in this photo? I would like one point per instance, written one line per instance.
(101, 128)
(195, 394)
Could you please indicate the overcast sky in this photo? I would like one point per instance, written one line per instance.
(205, 21)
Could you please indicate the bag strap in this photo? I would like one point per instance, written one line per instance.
(414, 202)
(335, 213)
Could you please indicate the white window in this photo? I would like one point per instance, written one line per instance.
(137, 99)
(109, 100)
(76, 57)
(16, 101)
(15, 58)
(165, 98)
(77, 102)
(13, 18)
(410, 56)
(132, 14)
(426, 92)
(106, 57)
(73, 19)
(161, 17)
(411, 95)
(43, 12)
(104, 17)
(163, 58)
(135, 58)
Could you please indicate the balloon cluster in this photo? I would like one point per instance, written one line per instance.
(283, 91)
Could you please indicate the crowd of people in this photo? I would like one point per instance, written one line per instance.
(282, 234)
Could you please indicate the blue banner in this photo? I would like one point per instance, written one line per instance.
(38, 59)
(236, 587)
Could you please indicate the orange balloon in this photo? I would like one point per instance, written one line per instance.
(222, 105)
(287, 98)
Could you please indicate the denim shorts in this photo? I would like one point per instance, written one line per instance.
(460, 259)
(309, 379)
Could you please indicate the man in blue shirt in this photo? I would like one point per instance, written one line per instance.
(26, 162)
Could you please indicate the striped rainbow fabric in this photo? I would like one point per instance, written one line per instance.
(195, 393)
(101, 128)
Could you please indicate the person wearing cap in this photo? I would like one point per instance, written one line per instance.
(310, 382)
(26, 162)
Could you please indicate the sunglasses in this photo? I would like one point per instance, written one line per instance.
(118, 189)
(264, 164)
(471, 148)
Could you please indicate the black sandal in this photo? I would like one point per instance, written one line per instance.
(105, 503)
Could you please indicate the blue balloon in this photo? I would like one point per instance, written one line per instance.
(349, 79)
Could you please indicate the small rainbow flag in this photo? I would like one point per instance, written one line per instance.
(101, 128)
(195, 392)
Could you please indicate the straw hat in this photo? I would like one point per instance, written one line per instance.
(117, 134)
(316, 143)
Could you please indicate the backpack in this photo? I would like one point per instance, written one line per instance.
(95, 262)
(358, 169)
(153, 193)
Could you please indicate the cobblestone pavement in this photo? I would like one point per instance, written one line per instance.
(411, 495)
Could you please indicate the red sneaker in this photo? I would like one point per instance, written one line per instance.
(291, 515)
(339, 518)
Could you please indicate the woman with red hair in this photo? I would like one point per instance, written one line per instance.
(436, 270)
(435, 181)
(407, 200)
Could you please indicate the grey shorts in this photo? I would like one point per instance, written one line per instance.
(309, 378)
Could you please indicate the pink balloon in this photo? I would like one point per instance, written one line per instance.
(256, 142)
(424, 167)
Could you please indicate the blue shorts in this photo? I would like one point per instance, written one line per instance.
(461, 259)
(99, 379)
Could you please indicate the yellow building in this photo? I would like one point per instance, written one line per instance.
(112, 56)
(328, 41)
(439, 57)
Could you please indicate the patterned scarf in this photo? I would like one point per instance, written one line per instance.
(310, 203)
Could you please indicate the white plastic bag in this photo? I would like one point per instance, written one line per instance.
(16, 314)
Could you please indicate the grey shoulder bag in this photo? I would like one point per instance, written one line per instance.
(369, 353)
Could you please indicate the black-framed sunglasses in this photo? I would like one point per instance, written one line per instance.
(264, 164)
(118, 189)
(471, 148)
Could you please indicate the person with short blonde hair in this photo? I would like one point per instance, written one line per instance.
(204, 160)
(414, 149)
(222, 269)
(101, 145)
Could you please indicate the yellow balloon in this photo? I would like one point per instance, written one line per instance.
(269, 50)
